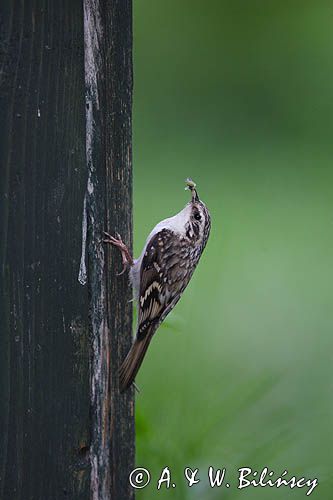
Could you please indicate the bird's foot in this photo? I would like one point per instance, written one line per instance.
(125, 254)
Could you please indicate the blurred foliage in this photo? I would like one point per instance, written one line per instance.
(238, 95)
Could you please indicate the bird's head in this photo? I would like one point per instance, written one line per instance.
(198, 218)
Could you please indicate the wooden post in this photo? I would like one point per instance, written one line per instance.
(108, 71)
(65, 160)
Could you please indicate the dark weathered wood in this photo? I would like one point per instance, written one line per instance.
(108, 64)
(44, 323)
(65, 432)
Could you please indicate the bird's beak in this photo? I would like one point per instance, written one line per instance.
(195, 196)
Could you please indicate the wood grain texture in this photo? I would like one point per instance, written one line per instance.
(65, 432)
(44, 322)
(108, 70)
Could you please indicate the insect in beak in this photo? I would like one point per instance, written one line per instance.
(190, 186)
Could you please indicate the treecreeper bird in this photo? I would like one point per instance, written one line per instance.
(162, 272)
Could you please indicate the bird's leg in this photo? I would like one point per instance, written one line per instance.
(125, 254)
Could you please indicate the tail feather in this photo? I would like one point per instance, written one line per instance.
(131, 364)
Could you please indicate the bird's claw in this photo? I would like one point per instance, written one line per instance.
(123, 270)
(125, 255)
(112, 239)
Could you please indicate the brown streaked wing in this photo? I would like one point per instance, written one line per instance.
(165, 273)
(152, 284)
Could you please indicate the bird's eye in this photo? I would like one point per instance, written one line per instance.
(197, 216)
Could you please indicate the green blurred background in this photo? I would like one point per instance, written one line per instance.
(238, 95)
